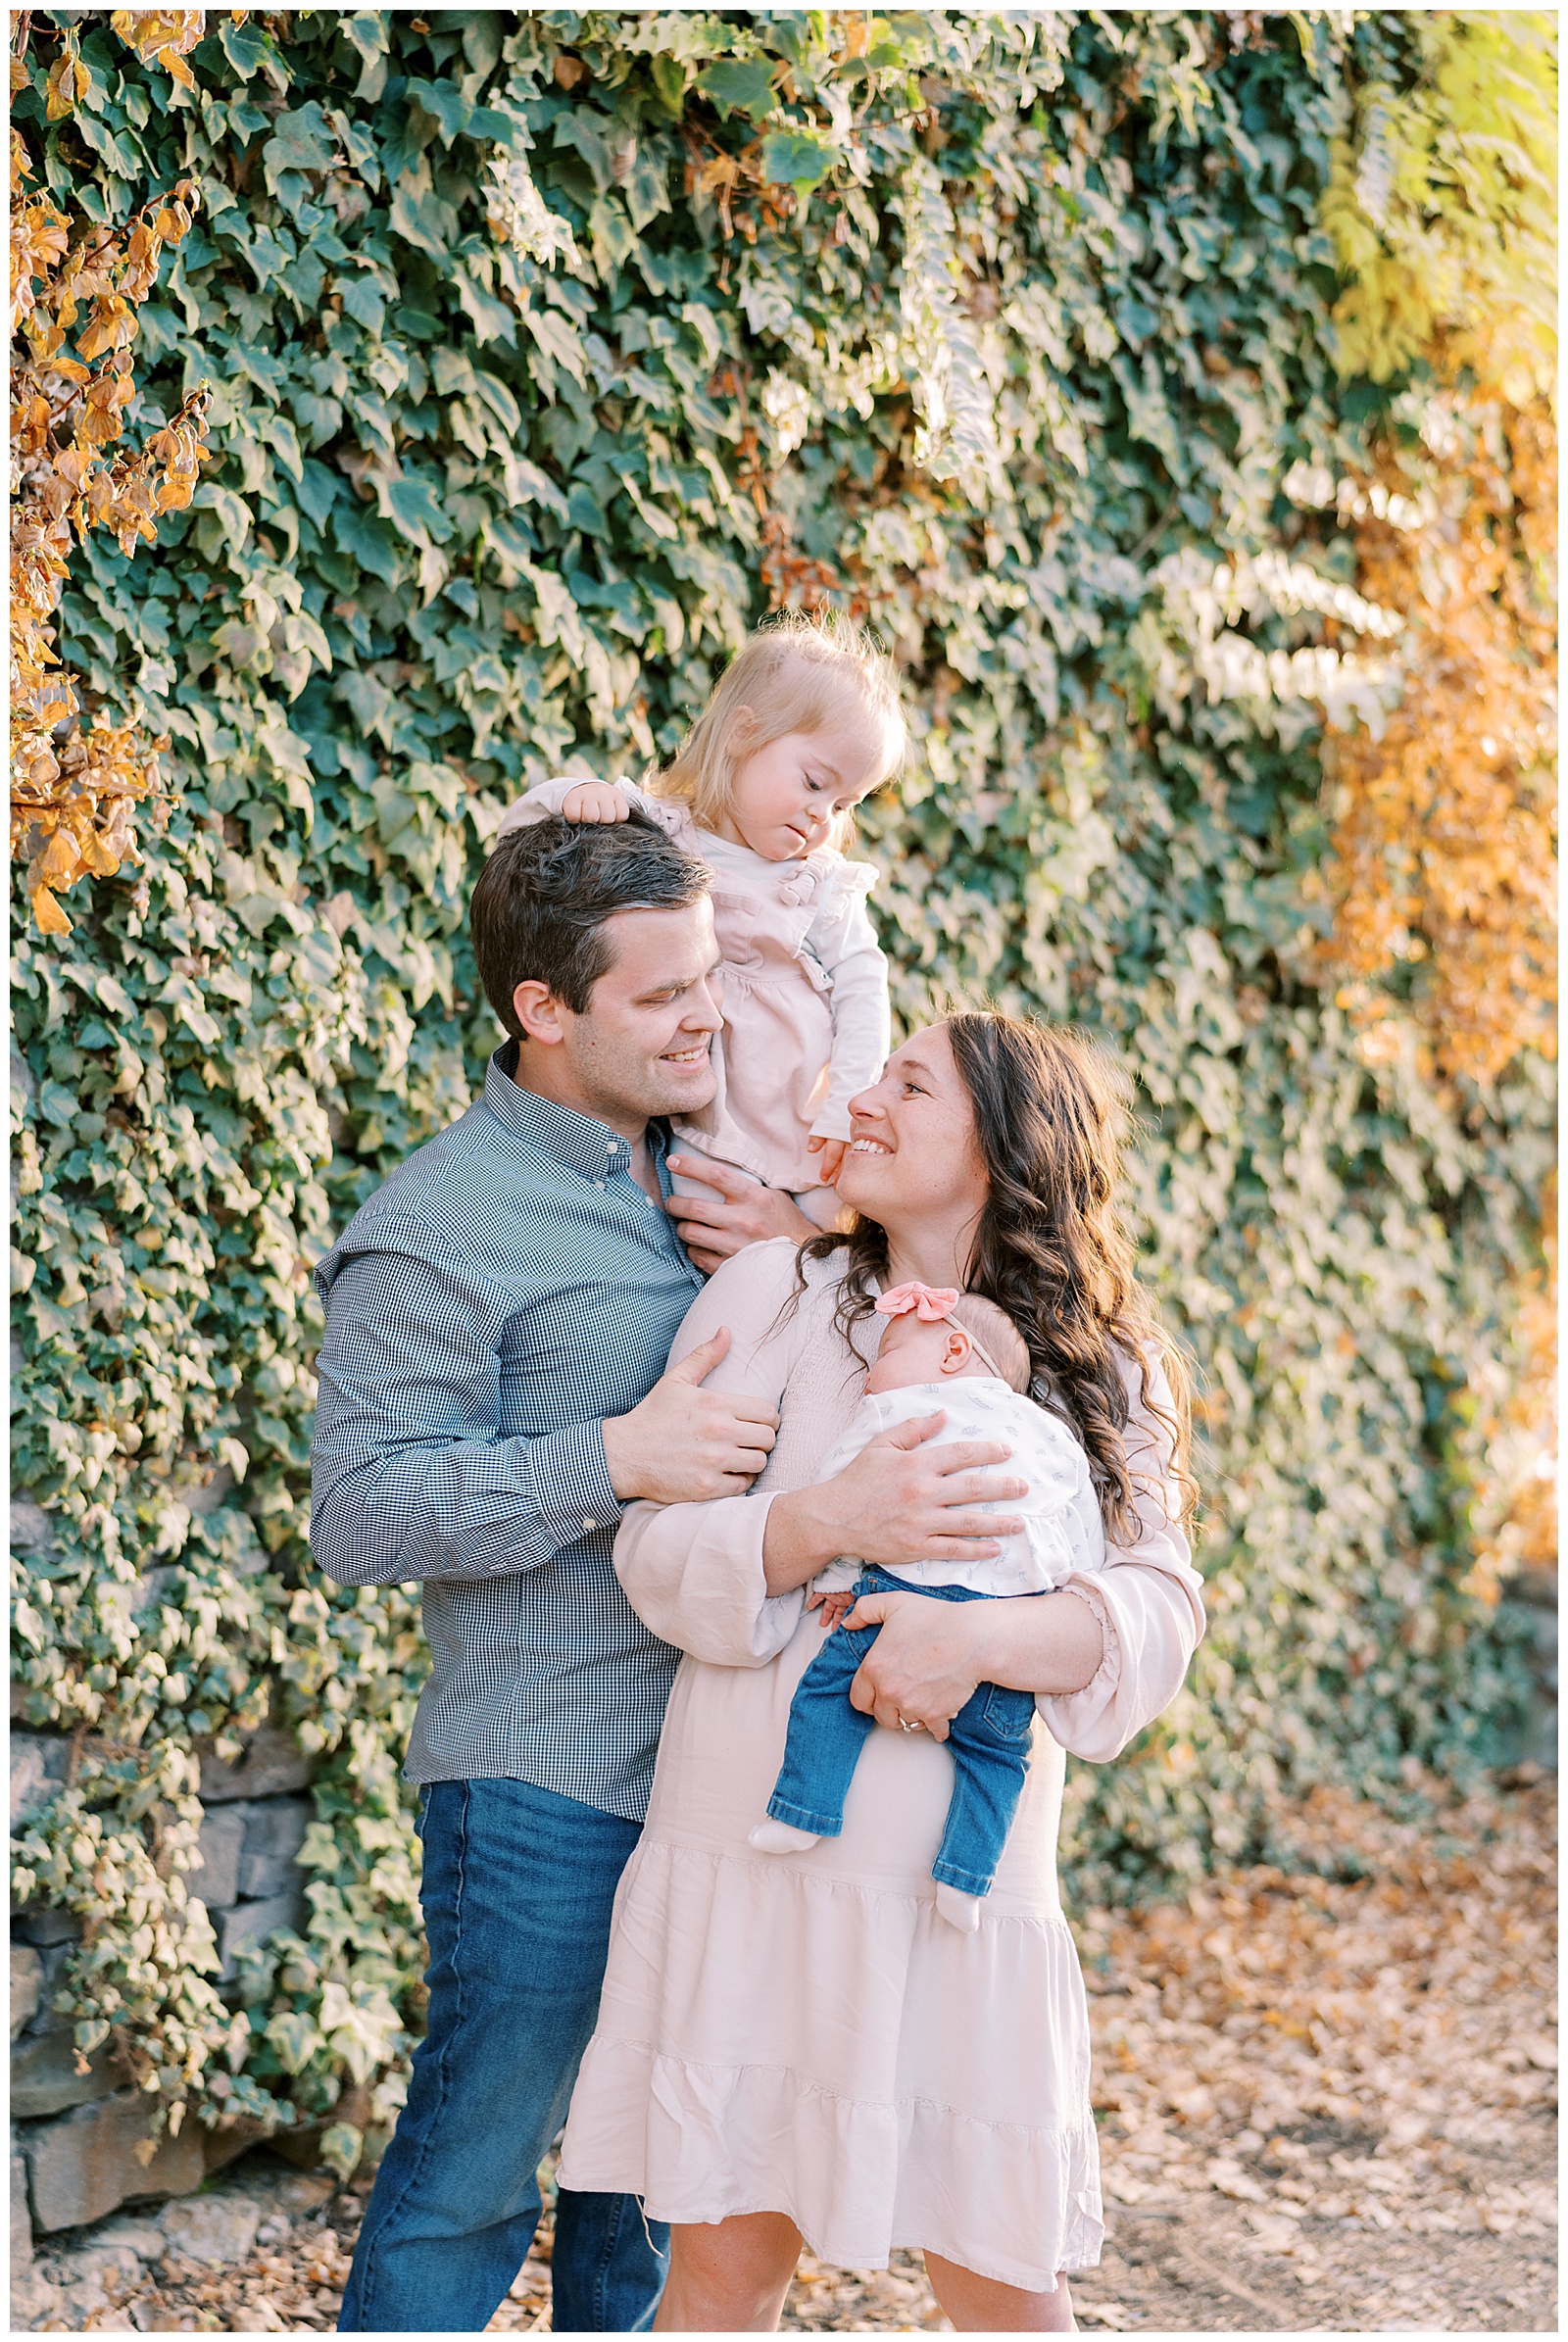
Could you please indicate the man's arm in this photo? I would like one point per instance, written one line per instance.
(411, 1478)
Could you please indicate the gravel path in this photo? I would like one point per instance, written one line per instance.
(1325, 2108)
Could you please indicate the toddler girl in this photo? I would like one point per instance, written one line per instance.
(961, 1354)
(803, 725)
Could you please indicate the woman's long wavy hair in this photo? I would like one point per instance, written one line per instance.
(1050, 1118)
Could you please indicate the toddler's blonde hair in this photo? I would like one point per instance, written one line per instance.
(795, 674)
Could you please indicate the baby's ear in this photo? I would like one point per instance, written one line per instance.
(956, 1357)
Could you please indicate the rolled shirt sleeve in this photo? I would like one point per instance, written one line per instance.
(411, 1476)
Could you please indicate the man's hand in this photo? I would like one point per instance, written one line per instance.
(685, 1445)
(832, 1152)
(741, 1212)
(596, 801)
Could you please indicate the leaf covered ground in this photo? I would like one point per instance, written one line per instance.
(1328, 2104)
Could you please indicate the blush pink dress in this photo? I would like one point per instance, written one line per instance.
(803, 2033)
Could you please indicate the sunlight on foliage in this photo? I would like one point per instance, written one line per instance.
(545, 351)
(1444, 873)
(1444, 206)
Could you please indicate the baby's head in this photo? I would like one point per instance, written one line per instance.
(804, 724)
(935, 1332)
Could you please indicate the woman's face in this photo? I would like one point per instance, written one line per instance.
(913, 1154)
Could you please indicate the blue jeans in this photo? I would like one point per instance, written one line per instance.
(989, 1738)
(517, 1889)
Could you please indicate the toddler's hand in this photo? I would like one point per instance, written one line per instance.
(596, 801)
(836, 1607)
(832, 1152)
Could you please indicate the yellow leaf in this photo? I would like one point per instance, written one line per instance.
(59, 103)
(47, 913)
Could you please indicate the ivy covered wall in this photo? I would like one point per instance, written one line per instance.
(546, 354)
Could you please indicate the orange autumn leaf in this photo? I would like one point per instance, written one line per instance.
(75, 794)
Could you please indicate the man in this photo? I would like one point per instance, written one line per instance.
(491, 1393)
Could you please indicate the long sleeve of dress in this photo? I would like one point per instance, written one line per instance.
(862, 1021)
(693, 1573)
(1149, 1601)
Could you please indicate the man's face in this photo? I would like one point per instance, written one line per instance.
(643, 1046)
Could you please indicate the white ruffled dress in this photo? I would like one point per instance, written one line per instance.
(802, 2033)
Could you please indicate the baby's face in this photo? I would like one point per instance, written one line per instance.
(914, 1350)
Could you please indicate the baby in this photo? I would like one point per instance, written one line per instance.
(961, 1354)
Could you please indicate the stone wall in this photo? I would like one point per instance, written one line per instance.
(75, 2133)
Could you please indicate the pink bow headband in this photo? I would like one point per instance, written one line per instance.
(932, 1303)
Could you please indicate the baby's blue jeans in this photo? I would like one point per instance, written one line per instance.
(989, 1738)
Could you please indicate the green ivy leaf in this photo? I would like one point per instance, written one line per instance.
(420, 217)
(366, 539)
(246, 46)
(795, 159)
(418, 511)
(301, 140)
(670, 80)
(739, 87)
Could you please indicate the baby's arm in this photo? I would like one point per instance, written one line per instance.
(862, 1025)
(588, 801)
(832, 1592)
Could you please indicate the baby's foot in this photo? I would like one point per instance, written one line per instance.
(960, 1910)
(780, 1837)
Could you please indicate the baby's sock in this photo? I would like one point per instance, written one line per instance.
(960, 1910)
(780, 1837)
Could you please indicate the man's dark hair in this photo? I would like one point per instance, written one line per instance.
(539, 910)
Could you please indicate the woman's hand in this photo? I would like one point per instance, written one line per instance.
(931, 1658)
(899, 1500)
(739, 1212)
(596, 801)
(925, 1665)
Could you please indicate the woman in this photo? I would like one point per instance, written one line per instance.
(802, 2048)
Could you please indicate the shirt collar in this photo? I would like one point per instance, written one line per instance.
(582, 1145)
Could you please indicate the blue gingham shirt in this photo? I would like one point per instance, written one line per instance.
(509, 1287)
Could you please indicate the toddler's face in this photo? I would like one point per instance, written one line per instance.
(914, 1350)
(785, 797)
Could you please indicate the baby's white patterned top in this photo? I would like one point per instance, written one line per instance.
(1063, 1530)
